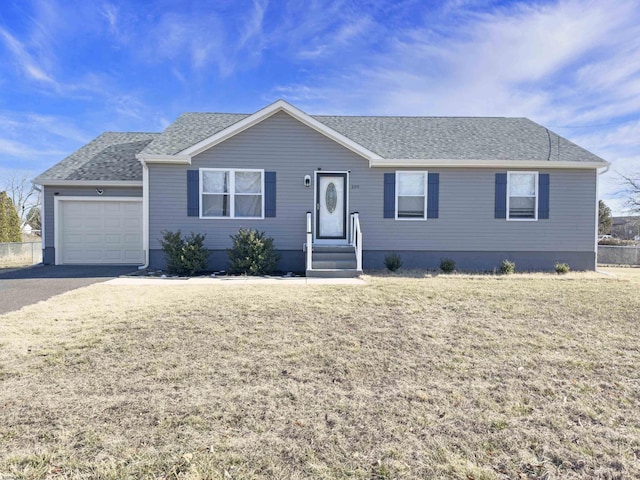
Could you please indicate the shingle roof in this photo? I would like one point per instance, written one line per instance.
(445, 138)
(458, 138)
(111, 156)
(189, 129)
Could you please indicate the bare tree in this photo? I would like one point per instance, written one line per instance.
(24, 195)
(631, 185)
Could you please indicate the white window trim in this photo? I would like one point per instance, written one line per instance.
(426, 195)
(537, 196)
(231, 193)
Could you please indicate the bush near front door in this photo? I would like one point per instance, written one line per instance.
(252, 253)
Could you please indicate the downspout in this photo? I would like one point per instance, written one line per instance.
(145, 214)
(595, 248)
(40, 191)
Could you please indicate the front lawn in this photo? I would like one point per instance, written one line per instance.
(468, 377)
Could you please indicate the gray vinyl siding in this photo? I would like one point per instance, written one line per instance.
(49, 193)
(466, 217)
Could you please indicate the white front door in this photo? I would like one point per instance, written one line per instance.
(331, 206)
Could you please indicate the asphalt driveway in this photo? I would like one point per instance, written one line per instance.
(30, 285)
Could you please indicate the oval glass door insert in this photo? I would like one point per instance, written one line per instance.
(331, 197)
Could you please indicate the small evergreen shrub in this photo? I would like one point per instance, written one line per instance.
(252, 253)
(185, 255)
(507, 267)
(393, 262)
(447, 265)
(562, 268)
(9, 220)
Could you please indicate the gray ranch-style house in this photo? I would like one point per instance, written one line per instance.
(336, 193)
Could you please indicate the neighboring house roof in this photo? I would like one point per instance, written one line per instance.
(112, 156)
(615, 221)
(109, 157)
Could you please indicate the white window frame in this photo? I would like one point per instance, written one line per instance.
(426, 195)
(537, 196)
(232, 192)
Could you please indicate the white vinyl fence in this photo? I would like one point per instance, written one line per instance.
(20, 254)
(617, 255)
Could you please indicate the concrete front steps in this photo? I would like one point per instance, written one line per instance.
(333, 261)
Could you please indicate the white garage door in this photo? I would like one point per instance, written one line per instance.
(99, 231)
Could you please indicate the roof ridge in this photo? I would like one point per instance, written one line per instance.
(215, 113)
(420, 116)
(124, 133)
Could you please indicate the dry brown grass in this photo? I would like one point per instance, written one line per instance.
(16, 255)
(15, 261)
(469, 377)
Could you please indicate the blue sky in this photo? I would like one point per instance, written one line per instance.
(71, 69)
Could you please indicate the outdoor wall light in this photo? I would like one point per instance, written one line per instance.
(307, 180)
(99, 191)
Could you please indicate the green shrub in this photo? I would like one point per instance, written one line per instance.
(447, 265)
(9, 220)
(392, 261)
(562, 268)
(185, 255)
(252, 253)
(507, 267)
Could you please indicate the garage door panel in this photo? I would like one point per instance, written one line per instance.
(92, 238)
(113, 255)
(75, 256)
(91, 223)
(102, 231)
(73, 238)
(113, 208)
(111, 222)
(132, 223)
(86, 209)
(73, 223)
(94, 256)
(111, 239)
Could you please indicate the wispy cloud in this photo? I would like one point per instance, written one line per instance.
(21, 150)
(32, 141)
(200, 39)
(110, 13)
(25, 61)
(563, 63)
(253, 28)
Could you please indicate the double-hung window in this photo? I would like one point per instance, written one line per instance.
(522, 195)
(231, 193)
(411, 195)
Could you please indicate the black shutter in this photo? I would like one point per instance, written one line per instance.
(389, 195)
(501, 195)
(543, 196)
(193, 193)
(433, 192)
(269, 194)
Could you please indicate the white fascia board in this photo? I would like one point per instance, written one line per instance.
(88, 183)
(179, 158)
(260, 115)
(442, 163)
